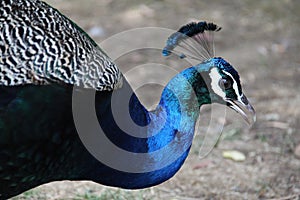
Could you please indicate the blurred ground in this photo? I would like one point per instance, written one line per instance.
(262, 40)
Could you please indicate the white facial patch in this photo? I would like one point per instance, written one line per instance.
(234, 86)
(215, 77)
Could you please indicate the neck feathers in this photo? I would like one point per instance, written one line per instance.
(165, 135)
(131, 127)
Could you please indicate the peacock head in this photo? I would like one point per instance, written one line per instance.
(220, 78)
(225, 88)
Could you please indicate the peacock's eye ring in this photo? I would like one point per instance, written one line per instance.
(225, 83)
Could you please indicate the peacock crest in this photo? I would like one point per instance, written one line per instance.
(194, 40)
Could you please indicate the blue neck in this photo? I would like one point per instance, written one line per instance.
(165, 134)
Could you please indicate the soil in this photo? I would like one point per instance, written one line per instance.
(262, 40)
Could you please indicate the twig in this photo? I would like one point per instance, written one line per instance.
(277, 124)
(294, 197)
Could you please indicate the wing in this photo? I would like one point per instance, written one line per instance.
(38, 45)
(42, 55)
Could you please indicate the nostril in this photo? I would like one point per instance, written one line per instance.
(244, 99)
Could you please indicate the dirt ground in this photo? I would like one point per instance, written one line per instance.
(262, 40)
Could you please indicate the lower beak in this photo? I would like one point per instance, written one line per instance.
(244, 108)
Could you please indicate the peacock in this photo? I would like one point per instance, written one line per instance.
(62, 115)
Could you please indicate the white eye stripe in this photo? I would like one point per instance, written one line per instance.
(234, 85)
(215, 77)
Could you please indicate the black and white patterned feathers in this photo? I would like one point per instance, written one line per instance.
(38, 45)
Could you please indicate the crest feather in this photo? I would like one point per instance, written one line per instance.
(196, 39)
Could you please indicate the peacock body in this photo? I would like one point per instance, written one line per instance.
(44, 55)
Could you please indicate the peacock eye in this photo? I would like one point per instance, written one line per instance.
(225, 83)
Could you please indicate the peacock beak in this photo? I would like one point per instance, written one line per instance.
(244, 108)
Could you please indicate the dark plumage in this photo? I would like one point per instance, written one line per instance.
(193, 28)
(46, 59)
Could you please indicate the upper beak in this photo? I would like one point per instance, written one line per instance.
(244, 108)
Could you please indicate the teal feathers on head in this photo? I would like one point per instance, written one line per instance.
(196, 41)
